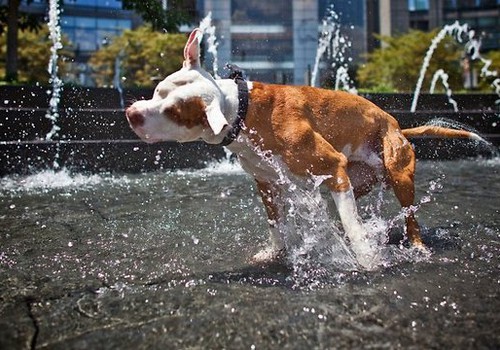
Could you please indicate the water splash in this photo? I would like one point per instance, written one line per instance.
(311, 236)
(452, 124)
(472, 46)
(48, 180)
(56, 82)
(208, 28)
(117, 81)
(334, 45)
(225, 166)
(440, 74)
(316, 244)
(328, 28)
(343, 80)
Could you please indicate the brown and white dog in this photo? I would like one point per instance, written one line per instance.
(344, 138)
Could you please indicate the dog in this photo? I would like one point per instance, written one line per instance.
(346, 139)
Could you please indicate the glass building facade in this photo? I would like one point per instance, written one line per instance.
(481, 15)
(261, 39)
(90, 33)
(113, 4)
(88, 24)
(276, 41)
(418, 5)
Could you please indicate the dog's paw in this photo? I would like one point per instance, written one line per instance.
(367, 256)
(421, 250)
(368, 262)
(269, 255)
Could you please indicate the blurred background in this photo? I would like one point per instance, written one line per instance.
(273, 41)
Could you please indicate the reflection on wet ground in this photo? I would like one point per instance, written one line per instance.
(161, 260)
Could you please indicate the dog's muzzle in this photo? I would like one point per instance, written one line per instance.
(135, 117)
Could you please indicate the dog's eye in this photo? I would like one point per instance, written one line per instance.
(162, 93)
(178, 83)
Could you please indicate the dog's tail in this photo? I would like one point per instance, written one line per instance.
(439, 131)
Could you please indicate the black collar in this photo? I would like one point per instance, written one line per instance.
(242, 111)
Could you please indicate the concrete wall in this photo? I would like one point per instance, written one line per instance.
(95, 135)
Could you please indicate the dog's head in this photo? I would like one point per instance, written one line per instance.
(186, 106)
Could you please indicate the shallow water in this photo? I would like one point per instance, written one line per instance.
(161, 260)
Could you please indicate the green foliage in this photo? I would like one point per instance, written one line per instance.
(397, 65)
(144, 54)
(485, 82)
(152, 12)
(34, 54)
(25, 21)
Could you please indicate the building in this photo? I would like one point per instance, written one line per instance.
(391, 17)
(481, 15)
(277, 41)
(88, 24)
(260, 36)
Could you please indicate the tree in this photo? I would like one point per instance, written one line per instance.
(396, 66)
(35, 44)
(14, 20)
(485, 83)
(142, 54)
(150, 10)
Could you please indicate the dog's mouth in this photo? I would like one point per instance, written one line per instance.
(144, 136)
(149, 139)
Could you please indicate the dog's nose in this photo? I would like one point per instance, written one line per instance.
(134, 117)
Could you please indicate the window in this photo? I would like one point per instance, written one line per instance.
(89, 33)
(418, 5)
(261, 12)
(114, 4)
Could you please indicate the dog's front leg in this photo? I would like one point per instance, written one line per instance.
(271, 197)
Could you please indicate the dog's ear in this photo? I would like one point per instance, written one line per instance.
(215, 117)
(192, 49)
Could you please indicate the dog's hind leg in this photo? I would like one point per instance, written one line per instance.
(271, 197)
(399, 162)
(323, 159)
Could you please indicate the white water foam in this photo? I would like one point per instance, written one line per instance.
(225, 166)
(48, 180)
(318, 249)
(315, 241)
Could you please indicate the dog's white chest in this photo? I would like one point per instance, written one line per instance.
(260, 164)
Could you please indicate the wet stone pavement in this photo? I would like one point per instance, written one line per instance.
(160, 261)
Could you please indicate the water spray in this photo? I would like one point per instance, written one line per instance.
(334, 44)
(440, 74)
(472, 47)
(55, 38)
(117, 82)
(208, 28)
